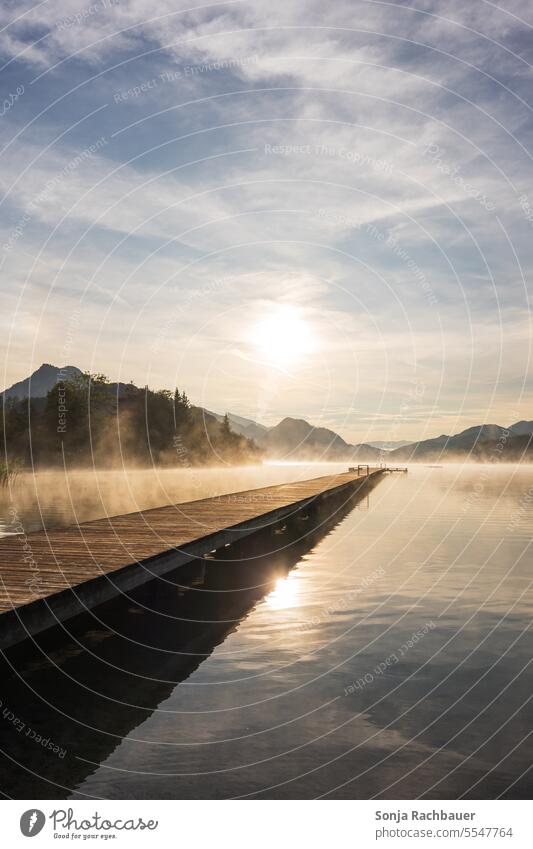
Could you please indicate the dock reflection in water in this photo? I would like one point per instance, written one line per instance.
(71, 695)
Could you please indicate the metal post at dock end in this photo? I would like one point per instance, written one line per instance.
(359, 467)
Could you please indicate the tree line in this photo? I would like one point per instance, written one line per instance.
(87, 420)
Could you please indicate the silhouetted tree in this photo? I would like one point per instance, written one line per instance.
(182, 412)
(75, 414)
(226, 429)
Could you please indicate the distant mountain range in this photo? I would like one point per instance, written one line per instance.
(297, 439)
(482, 442)
(387, 445)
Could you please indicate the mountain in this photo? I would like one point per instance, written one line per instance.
(465, 442)
(244, 427)
(479, 433)
(296, 439)
(514, 450)
(521, 428)
(40, 382)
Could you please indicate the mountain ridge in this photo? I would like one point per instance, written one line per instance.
(39, 383)
(297, 439)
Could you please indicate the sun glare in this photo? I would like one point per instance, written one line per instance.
(283, 337)
(284, 594)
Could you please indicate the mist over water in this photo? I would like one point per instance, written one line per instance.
(385, 653)
(58, 498)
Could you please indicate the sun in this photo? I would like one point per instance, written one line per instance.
(283, 337)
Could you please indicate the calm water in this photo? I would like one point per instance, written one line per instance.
(380, 651)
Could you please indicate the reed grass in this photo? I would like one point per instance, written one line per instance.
(8, 474)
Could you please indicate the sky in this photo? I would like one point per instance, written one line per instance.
(308, 209)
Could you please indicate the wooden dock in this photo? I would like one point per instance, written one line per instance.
(51, 575)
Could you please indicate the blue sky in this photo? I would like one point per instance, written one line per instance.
(308, 209)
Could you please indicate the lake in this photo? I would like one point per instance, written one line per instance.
(383, 651)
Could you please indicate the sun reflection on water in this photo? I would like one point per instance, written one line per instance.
(284, 594)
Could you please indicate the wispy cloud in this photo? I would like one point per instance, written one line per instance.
(365, 161)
